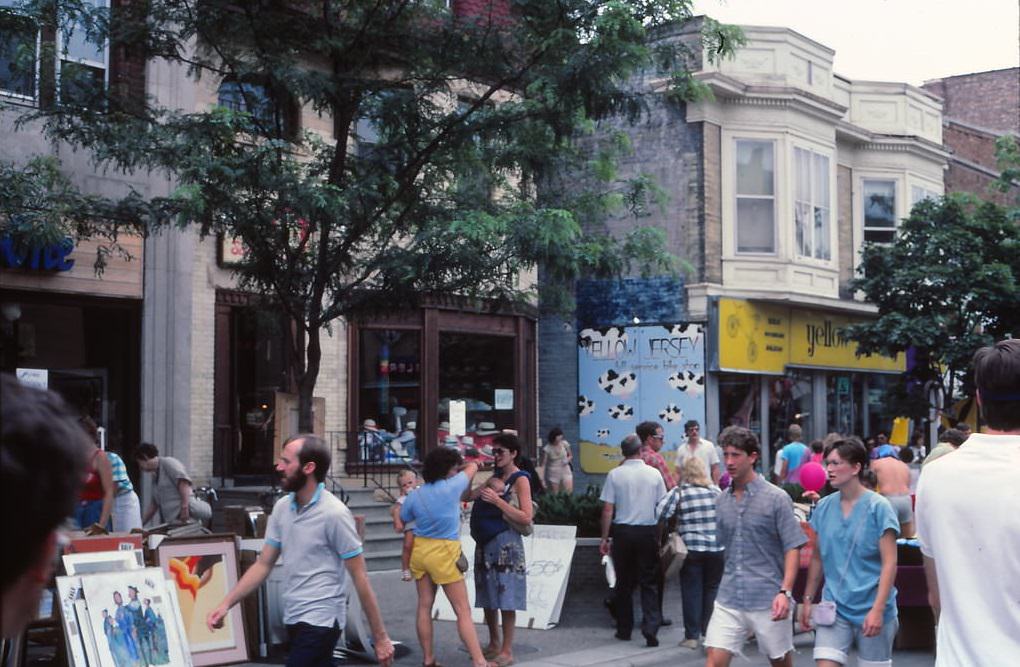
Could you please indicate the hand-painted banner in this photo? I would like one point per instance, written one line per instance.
(627, 375)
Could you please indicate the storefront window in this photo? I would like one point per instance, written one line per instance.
(389, 368)
(738, 401)
(790, 402)
(879, 417)
(840, 406)
(476, 372)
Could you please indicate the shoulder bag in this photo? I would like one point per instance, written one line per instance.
(824, 613)
(674, 552)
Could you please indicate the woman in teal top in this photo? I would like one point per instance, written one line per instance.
(856, 551)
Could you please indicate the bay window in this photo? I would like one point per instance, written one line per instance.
(756, 200)
(879, 207)
(812, 211)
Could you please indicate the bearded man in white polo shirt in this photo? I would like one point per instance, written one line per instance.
(322, 547)
(631, 492)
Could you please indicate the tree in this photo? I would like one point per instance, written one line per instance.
(445, 125)
(948, 284)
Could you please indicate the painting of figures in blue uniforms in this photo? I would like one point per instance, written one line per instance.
(631, 374)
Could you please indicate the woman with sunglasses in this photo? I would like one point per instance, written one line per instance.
(500, 583)
(856, 552)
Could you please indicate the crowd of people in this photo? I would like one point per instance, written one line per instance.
(740, 531)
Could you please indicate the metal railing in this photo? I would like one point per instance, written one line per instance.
(375, 460)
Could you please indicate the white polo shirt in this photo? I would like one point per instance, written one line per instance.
(314, 541)
(704, 450)
(634, 488)
(967, 520)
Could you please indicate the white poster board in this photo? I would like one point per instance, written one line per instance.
(37, 378)
(458, 417)
(547, 577)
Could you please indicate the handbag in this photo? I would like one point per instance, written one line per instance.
(462, 562)
(672, 555)
(824, 613)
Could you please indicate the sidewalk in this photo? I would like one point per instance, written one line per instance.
(584, 637)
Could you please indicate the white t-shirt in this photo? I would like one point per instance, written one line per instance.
(967, 521)
(635, 489)
(704, 450)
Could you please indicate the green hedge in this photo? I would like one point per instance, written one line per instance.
(583, 510)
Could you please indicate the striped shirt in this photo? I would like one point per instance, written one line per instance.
(120, 474)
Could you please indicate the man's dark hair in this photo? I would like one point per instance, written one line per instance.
(954, 437)
(146, 451)
(689, 423)
(43, 453)
(313, 450)
(741, 438)
(997, 376)
(906, 454)
(439, 462)
(646, 430)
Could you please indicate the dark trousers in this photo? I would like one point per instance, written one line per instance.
(699, 582)
(635, 554)
(311, 645)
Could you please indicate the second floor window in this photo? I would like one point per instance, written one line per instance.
(756, 200)
(83, 64)
(879, 207)
(812, 212)
(19, 53)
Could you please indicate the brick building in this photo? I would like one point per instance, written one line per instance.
(978, 108)
(773, 186)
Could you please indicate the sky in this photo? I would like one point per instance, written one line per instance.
(892, 40)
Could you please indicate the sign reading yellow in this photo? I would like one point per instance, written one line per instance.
(765, 338)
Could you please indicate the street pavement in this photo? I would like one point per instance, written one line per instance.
(583, 638)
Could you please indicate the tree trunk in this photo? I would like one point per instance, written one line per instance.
(306, 385)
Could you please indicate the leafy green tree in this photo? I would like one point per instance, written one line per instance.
(437, 177)
(948, 284)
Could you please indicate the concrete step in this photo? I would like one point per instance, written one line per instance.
(378, 544)
(386, 560)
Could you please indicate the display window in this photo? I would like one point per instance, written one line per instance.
(389, 397)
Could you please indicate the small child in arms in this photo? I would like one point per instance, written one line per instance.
(408, 481)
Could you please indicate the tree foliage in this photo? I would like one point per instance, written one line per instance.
(949, 284)
(435, 175)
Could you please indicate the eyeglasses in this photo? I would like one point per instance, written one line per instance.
(498, 451)
(659, 437)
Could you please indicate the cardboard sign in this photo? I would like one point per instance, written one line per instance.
(548, 553)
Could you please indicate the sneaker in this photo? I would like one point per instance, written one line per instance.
(690, 643)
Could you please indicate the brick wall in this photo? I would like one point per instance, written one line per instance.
(498, 11)
(985, 99)
(972, 167)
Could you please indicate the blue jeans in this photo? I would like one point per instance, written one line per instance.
(699, 582)
(311, 645)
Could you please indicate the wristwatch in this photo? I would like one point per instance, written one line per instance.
(788, 594)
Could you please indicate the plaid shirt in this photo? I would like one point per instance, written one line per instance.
(696, 508)
(120, 473)
(654, 459)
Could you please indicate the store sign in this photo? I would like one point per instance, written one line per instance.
(765, 338)
(627, 375)
(48, 257)
(754, 337)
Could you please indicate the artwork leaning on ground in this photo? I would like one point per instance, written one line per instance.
(627, 375)
(202, 571)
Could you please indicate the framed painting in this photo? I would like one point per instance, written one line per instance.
(69, 593)
(103, 561)
(131, 615)
(202, 572)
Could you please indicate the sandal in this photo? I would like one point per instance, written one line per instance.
(502, 661)
(490, 654)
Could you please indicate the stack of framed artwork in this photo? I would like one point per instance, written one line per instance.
(115, 612)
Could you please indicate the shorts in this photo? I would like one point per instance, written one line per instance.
(729, 628)
(436, 558)
(903, 507)
(558, 474)
(833, 642)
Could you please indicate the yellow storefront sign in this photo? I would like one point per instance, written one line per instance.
(753, 337)
(765, 338)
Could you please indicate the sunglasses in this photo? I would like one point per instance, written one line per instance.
(498, 451)
(659, 437)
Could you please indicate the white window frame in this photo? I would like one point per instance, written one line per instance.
(34, 97)
(63, 57)
(813, 187)
(922, 189)
(897, 187)
(737, 196)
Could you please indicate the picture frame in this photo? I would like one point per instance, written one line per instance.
(69, 593)
(202, 570)
(91, 562)
(131, 615)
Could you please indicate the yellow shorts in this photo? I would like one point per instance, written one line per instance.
(436, 558)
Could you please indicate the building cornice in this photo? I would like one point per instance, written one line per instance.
(698, 295)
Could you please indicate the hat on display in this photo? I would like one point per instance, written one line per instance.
(410, 426)
(467, 441)
(369, 425)
(444, 426)
(486, 428)
(450, 441)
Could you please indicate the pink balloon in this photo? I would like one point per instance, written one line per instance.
(812, 476)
